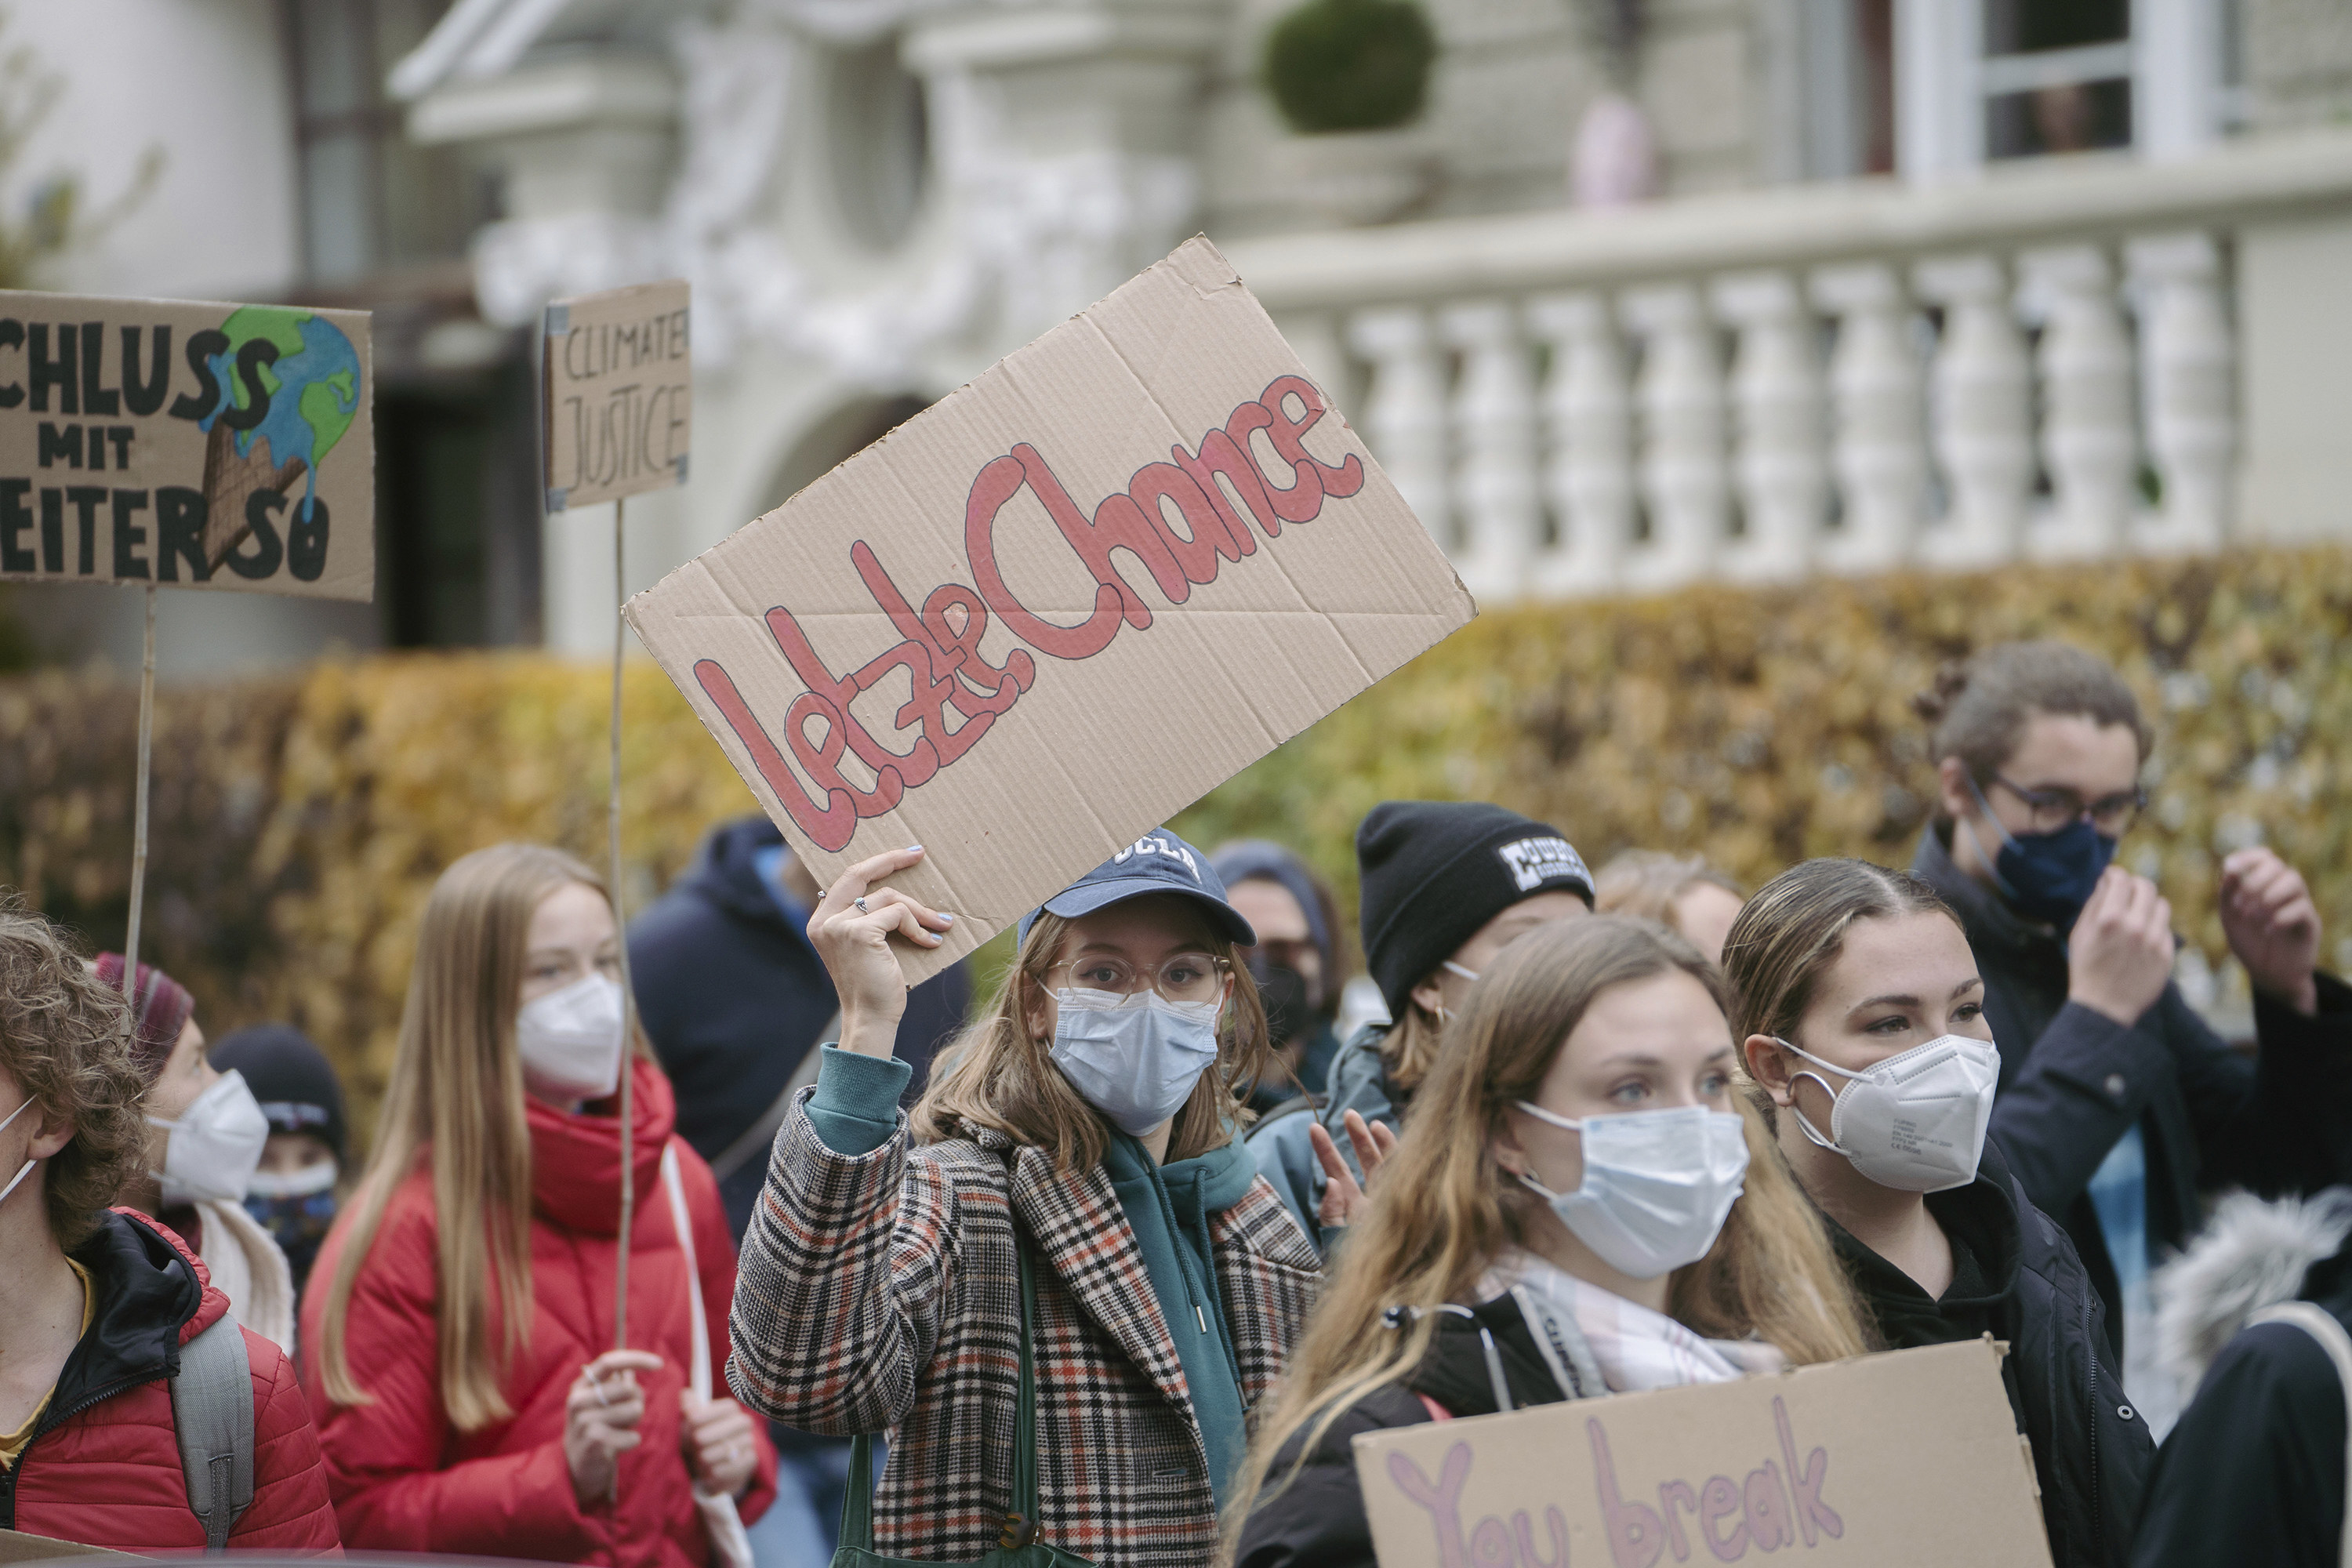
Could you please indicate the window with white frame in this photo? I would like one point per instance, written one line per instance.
(1987, 81)
(2055, 76)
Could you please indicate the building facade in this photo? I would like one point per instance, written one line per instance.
(1649, 292)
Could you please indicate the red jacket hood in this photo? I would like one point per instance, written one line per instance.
(575, 1156)
(212, 1304)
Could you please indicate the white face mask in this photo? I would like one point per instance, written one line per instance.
(1658, 1186)
(1134, 1058)
(22, 1170)
(214, 1145)
(571, 1041)
(1915, 1123)
(302, 1183)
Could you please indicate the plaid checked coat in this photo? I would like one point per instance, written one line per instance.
(881, 1291)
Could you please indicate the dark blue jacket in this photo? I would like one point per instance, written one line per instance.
(2072, 1082)
(734, 998)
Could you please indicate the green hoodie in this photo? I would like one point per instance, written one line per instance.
(1168, 1207)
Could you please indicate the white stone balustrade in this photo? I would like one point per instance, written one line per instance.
(2048, 364)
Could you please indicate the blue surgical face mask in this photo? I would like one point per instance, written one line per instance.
(1134, 1058)
(297, 1210)
(2047, 876)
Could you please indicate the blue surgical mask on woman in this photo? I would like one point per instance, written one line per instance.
(1133, 1058)
(2048, 876)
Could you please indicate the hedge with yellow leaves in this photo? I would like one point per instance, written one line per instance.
(299, 821)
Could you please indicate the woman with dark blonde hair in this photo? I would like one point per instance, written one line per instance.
(1682, 892)
(459, 1358)
(1865, 1030)
(1066, 1232)
(1584, 1205)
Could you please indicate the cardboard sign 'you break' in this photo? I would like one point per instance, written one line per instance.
(196, 445)
(1912, 1457)
(1059, 606)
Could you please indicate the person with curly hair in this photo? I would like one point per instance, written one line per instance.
(97, 1304)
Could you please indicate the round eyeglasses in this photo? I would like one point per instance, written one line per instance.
(2052, 808)
(1181, 977)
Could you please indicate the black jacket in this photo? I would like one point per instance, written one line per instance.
(144, 1293)
(2073, 1081)
(733, 997)
(2254, 1471)
(2017, 1277)
(1317, 1518)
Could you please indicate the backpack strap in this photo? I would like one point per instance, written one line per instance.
(212, 1412)
(2321, 1325)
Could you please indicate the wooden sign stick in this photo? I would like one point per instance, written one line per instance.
(139, 812)
(615, 410)
(621, 940)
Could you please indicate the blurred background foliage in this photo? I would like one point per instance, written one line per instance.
(299, 821)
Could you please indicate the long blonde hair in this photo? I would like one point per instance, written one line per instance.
(1444, 1208)
(998, 1075)
(456, 1101)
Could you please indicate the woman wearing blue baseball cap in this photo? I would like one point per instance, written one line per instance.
(1060, 1283)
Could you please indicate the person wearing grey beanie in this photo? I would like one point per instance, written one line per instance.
(1445, 887)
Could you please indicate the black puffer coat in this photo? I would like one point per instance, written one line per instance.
(2017, 1277)
(1317, 1521)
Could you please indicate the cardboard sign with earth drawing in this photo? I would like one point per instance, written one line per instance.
(201, 446)
(1912, 1457)
(1058, 605)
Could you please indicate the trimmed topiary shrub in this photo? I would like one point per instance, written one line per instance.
(1351, 65)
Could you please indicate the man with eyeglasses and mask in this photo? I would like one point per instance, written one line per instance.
(2118, 1104)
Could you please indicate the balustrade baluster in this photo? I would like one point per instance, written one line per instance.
(1685, 479)
(2189, 360)
(1880, 450)
(1493, 421)
(1776, 392)
(1404, 410)
(1981, 416)
(1588, 415)
(2087, 437)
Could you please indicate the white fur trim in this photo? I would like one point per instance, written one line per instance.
(2252, 1255)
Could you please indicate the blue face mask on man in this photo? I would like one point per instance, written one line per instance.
(2048, 876)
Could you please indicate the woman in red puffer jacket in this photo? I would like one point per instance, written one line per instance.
(97, 1305)
(459, 1360)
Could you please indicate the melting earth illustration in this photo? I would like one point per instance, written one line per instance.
(309, 395)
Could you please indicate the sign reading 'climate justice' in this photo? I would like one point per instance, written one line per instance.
(619, 394)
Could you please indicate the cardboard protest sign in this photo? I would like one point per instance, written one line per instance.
(15, 1546)
(1912, 1457)
(617, 394)
(1057, 607)
(199, 445)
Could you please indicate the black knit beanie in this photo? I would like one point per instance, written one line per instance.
(299, 1091)
(1432, 872)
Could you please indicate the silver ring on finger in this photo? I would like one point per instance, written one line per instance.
(859, 905)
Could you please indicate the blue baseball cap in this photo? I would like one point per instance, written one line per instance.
(1159, 862)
